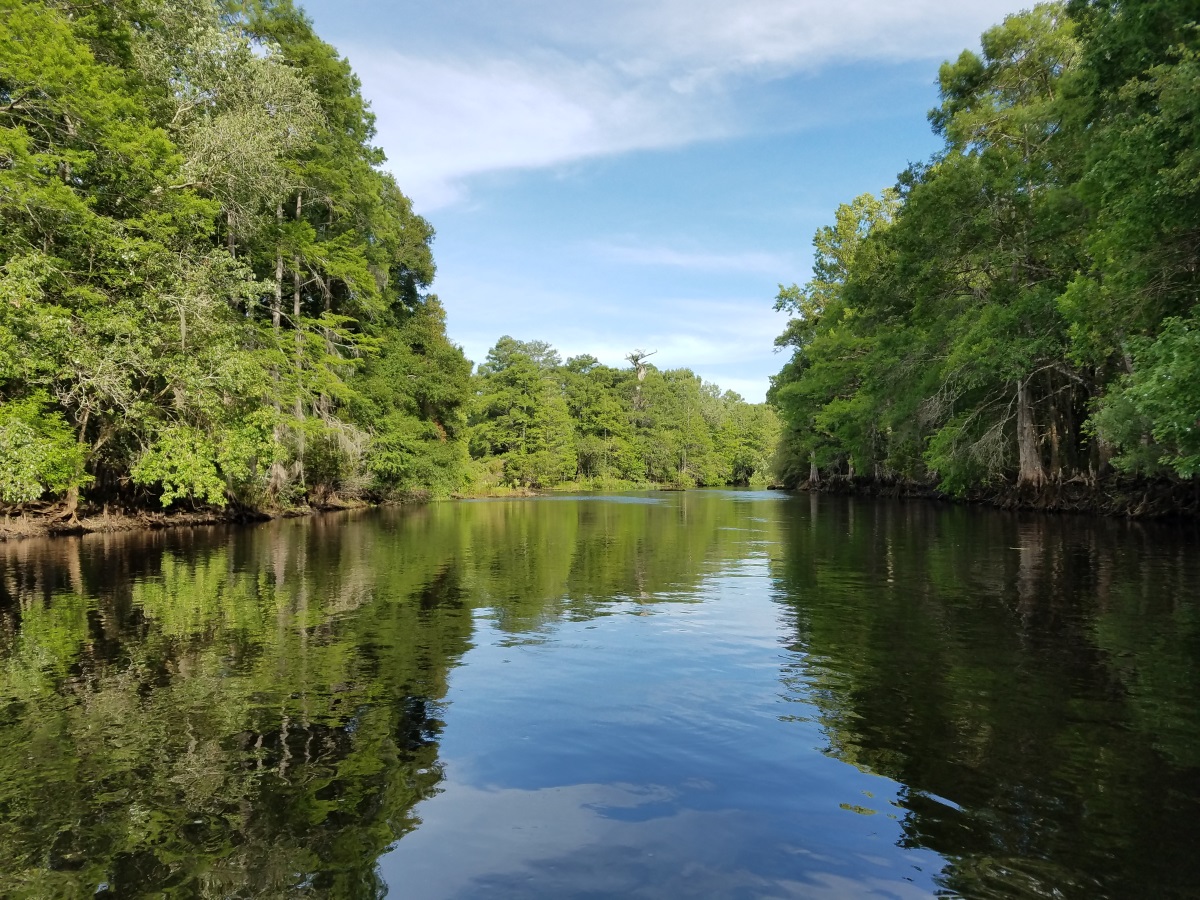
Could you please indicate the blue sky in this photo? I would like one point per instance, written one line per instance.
(643, 173)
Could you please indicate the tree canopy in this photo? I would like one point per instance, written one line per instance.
(1021, 309)
(536, 421)
(212, 292)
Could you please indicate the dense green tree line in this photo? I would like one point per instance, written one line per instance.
(538, 421)
(211, 292)
(1022, 308)
(209, 289)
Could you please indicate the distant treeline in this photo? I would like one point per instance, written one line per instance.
(538, 421)
(1021, 311)
(211, 293)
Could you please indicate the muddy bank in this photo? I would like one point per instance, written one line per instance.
(50, 521)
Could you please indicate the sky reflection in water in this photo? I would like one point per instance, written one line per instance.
(728, 694)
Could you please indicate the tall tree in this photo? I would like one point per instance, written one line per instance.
(199, 252)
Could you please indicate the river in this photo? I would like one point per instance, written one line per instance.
(710, 693)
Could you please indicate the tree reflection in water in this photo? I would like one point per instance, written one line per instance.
(1033, 682)
(258, 711)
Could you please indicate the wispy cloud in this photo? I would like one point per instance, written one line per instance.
(444, 120)
(483, 86)
(699, 37)
(698, 261)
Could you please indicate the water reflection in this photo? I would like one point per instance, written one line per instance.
(256, 711)
(1032, 681)
(214, 712)
(718, 693)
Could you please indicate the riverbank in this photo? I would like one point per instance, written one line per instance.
(1112, 495)
(51, 522)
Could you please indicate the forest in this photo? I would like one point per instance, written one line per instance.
(213, 295)
(1018, 314)
(538, 421)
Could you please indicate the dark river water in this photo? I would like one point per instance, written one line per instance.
(703, 694)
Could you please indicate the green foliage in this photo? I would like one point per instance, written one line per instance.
(407, 454)
(1160, 399)
(217, 295)
(521, 415)
(38, 452)
(412, 396)
(201, 261)
(183, 461)
(962, 327)
(188, 463)
(548, 423)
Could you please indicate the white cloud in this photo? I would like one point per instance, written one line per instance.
(489, 86)
(718, 36)
(443, 121)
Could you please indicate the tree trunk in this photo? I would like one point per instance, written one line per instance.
(277, 303)
(299, 336)
(1105, 452)
(299, 359)
(1056, 464)
(814, 474)
(1031, 471)
(278, 473)
(70, 512)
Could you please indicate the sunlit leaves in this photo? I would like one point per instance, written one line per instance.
(38, 452)
(199, 254)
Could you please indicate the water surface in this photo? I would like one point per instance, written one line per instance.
(712, 693)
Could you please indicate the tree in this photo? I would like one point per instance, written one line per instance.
(1136, 303)
(198, 255)
(521, 417)
(932, 341)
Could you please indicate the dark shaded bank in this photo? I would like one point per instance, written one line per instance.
(52, 521)
(55, 520)
(1112, 495)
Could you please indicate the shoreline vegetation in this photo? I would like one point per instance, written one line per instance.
(1015, 321)
(50, 521)
(1117, 496)
(215, 302)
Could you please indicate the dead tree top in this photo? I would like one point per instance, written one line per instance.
(638, 359)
